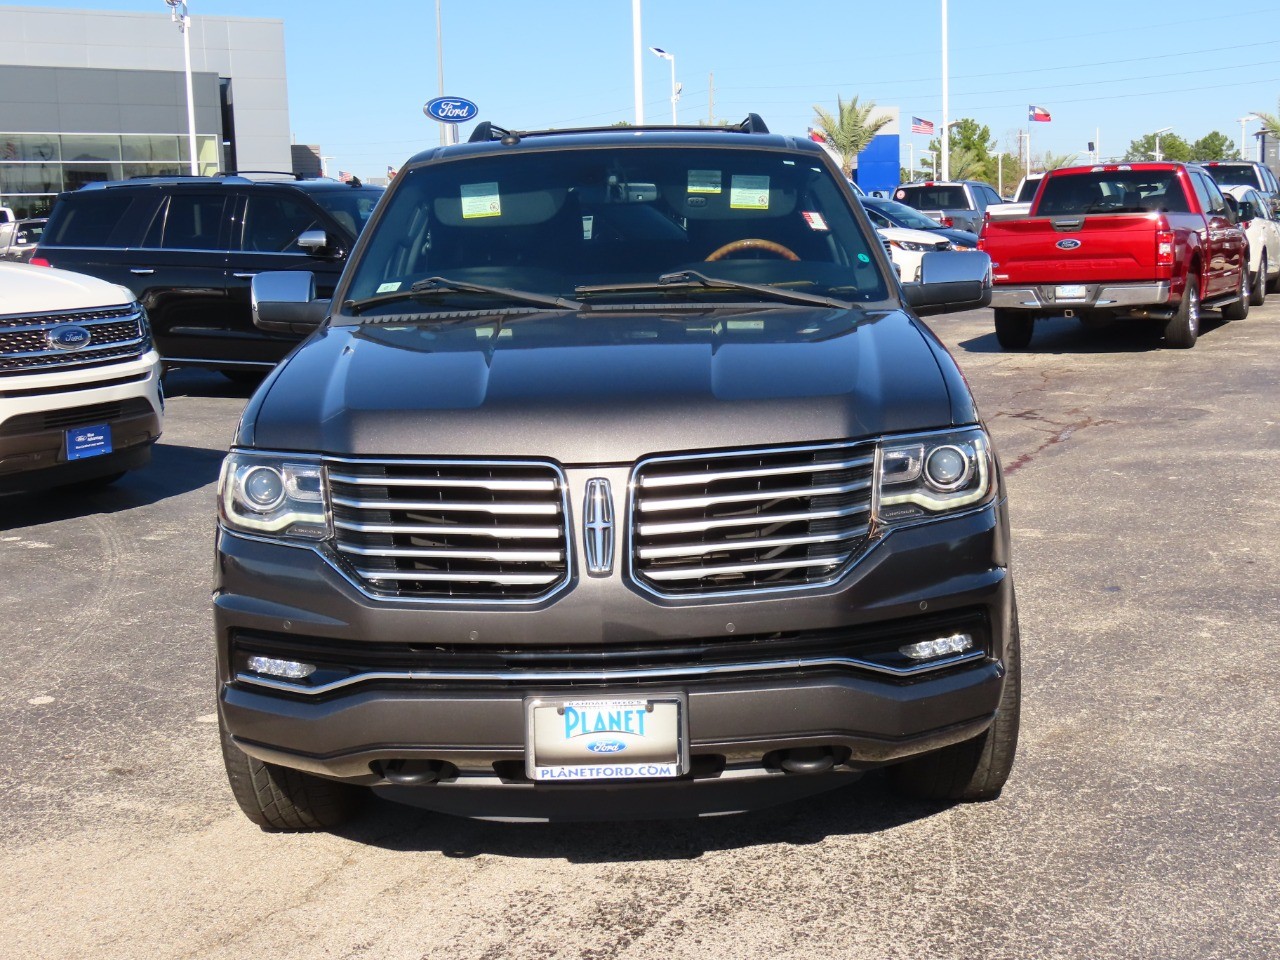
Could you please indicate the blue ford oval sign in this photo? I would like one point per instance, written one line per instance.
(606, 746)
(1067, 244)
(67, 336)
(451, 109)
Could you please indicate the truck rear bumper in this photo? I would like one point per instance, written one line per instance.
(1097, 296)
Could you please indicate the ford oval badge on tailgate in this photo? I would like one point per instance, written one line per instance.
(1067, 244)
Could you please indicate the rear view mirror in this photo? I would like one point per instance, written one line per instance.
(284, 302)
(950, 282)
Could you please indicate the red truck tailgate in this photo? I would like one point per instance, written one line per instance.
(1095, 248)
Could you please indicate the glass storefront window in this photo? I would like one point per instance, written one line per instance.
(171, 169)
(27, 207)
(206, 149)
(82, 147)
(153, 148)
(76, 175)
(30, 177)
(28, 146)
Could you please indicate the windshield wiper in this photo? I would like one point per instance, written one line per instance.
(422, 289)
(693, 280)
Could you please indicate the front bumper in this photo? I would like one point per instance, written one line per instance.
(1098, 296)
(739, 724)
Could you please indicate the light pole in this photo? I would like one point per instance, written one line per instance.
(1243, 121)
(637, 59)
(178, 13)
(446, 129)
(1158, 132)
(675, 87)
(945, 148)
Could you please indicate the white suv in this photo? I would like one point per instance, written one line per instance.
(80, 395)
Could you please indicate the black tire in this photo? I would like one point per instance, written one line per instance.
(279, 798)
(976, 769)
(1014, 328)
(1258, 289)
(1240, 308)
(1183, 328)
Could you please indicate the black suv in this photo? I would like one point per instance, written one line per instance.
(188, 248)
(619, 479)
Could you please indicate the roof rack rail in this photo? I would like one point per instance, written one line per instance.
(486, 132)
(273, 173)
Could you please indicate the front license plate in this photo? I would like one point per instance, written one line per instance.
(85, 442)
(1075, 291)
(610, 738)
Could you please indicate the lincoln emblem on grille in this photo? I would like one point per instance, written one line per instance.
(597, 527)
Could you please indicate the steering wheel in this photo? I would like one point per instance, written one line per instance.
(752, 243)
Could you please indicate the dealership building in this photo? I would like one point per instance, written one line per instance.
(88, 95)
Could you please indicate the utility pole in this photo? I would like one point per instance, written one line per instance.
(945, 148)
(711, 102)
(446, 135)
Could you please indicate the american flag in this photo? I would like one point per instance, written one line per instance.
(344, 176)
(921, 126)
(1039, 114)
(391, 172)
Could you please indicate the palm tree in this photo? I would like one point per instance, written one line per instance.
(848, 132)
(1053, 161)
(1270, 121)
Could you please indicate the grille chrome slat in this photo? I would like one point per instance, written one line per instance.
(115, 333)
(396, 535)
(690, 503)
(698, 550)
(748, 521)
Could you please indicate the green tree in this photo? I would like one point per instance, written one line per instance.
(1054, 161)
(1270, 121)
(1214, 146)
(1172, 147)
(969, 154)
(849, 131)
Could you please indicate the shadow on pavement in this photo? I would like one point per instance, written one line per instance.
(195, 382)
(861, 807)
(174, 470)
(1060, 335)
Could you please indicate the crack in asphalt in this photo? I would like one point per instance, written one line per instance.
(1059, 432)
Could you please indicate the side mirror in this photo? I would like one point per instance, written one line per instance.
(1246, 211)
(284, 302)
(315, 242)
(1232, 211)
(950, 282)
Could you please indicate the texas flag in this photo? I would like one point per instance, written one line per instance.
(1039, 114)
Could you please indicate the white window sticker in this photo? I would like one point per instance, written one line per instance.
(749, 193)
(704, 181)
(814, 219)
(388, 287)
(588, 224)
(480, 200)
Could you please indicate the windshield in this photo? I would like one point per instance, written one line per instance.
(900, 215)
(1027, 193)
(351, 208)
(933, 197)
(1234, 175)
(1112, 191)
(554, 221)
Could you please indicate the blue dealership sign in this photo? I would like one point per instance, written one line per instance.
(451, 109)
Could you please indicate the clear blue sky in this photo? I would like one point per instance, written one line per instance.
(360, 72)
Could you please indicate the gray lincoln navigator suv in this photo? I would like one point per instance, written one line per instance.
(618, 475)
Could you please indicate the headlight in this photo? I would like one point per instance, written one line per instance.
(929, 474)
(273, 495)
(908, 245)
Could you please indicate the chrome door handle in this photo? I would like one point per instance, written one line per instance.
(245, 276)
(142, 271)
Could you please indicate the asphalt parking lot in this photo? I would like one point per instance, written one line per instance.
(1142, 819)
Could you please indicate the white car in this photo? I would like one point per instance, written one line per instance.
(1021, 204)
(80, 396)
(907, 247)
(1263, 230)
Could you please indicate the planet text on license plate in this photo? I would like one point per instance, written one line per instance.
(610, 738)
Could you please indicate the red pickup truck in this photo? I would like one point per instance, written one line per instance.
(1145, 240)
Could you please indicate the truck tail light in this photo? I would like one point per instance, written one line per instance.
(39, 262)
(982, 242)
(946, 221)
(1164, 244)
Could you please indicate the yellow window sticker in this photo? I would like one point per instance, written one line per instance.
(480, 200)
(749, 193)
(704, 181)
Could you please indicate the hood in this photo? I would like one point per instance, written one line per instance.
(25, 289)
(907, 235)
(603, 388)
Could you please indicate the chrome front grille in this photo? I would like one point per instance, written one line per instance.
(451, 530)
(116, 333)
(749, 520)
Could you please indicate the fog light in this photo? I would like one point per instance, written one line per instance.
(942, 647)
(289, 669)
